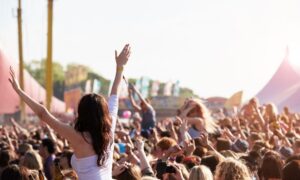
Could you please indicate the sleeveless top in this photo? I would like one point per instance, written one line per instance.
(148, 119)
(86, 168)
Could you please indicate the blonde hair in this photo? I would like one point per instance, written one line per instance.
(201, 172)
(32, 160)
(232, 169)
(208, 122)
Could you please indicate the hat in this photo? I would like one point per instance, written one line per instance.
(240, 146)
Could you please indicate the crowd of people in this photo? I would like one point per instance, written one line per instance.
(255, 142)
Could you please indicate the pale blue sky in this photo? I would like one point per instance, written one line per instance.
(214, 47)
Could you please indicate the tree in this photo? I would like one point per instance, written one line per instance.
(37, 70)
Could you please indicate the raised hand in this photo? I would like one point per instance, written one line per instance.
(123, 57)
(204, 140)
(139, 143)
(183, 127)
(121, 133)
(13, 80)
(119, 168)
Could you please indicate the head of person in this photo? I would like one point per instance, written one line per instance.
(211, 162)
(94, 118)
(254, 102)
(200, 110)
(191, 161)
(14, 172)
(232, 169)
(252, 161)
(223, 144)
(163, 145)
(23, 148)
(286, 110)
(201, 172)
(32, 160)
(65, 160)
(271, 166)
(5, 158)
(47, 148)
(132, 172)
(291, 171)
(173, 175)
(252, 138)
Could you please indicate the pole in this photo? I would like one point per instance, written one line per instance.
(21, 64)
(49, 87)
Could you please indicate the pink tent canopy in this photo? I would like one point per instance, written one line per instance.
(284, 87)
(9, 100)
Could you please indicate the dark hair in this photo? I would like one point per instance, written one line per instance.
(291, 170)
(49, 144)
(5, 158)
(68, 155)
(93, 117)
(271, 166)
(223, 144)
(211, 162)
(16, 173)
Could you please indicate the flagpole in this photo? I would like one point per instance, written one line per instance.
(49, 80)
(21, 64)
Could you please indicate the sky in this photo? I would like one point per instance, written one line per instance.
(214, 47)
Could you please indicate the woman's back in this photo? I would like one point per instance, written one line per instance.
(86, 165)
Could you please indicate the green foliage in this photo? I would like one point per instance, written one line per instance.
(37, 69)
(187, 93)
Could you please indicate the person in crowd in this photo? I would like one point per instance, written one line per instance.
(47, 151)
(253, 142)
(201, 172)
(232, 169)
(33, 161)
(14, 172)
(198, 118)
(145, 109)
(93, 134)
(65, 160)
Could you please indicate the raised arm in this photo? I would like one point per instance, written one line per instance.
(133, 103)
(121, 61)
(63, 129)
(140, 96)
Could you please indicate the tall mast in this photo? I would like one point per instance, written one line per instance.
(49, 80)
(21, 64)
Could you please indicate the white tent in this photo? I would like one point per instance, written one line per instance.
(284, 87)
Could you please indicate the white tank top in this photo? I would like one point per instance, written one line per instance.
(86, 168)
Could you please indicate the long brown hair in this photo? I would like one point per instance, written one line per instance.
(93, 117)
